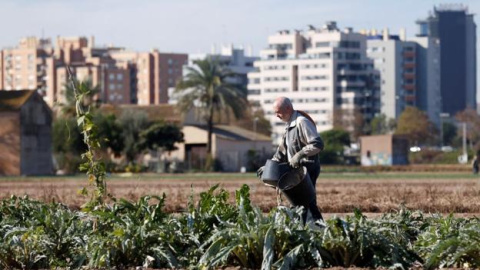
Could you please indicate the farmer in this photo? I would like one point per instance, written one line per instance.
(300, 141)
(475, 165)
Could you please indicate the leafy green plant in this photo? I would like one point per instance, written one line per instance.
(94, 168)
(38, 235)
(450, 242)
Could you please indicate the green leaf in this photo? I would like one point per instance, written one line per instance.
(268, 249)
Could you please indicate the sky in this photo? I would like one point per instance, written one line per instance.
(194, 26)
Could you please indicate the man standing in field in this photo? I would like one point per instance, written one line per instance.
(300, 141)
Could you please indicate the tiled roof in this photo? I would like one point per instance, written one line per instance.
(13, 100)
(235, 133)
(165, 112)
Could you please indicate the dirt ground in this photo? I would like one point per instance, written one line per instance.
(336, 194)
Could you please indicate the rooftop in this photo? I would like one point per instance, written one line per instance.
(13, 100)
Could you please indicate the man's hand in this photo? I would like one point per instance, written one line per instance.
(295, 160)
(260, 172)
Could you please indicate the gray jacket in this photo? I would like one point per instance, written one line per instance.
(302, 135)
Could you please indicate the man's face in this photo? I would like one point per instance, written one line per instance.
(282, 114)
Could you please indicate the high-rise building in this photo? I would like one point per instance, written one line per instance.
(324, 71)
(409, 72)
(456, 30)
(428, 83)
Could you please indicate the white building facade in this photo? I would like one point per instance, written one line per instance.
(409, 72)
(322, 70)
(235, 59)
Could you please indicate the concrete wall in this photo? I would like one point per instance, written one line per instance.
(376, 150)
(9, 143)
(36, 138)
(233, 154)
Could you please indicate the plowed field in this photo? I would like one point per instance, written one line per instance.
(336, 193)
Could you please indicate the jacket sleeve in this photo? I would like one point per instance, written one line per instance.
(313, 143)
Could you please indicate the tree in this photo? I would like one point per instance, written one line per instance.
(472, 120)
(67, 105)
(380, 125)
(334, 140)
(415, 125)
(161, 135)
(110, 129)
(66, 136)
(68, 143)
(132, 122)
(206, 89)
(449, 133)
(254, 119)
(350, 120)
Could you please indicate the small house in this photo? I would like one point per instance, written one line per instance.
(386, 149)
(230, 147)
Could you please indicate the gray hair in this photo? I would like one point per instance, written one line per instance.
(283, 102)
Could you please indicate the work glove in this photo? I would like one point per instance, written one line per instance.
(260, 172)
(295, 160)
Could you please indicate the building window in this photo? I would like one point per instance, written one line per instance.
(119, 76)
(254, 81)
(314, 77)
(322, 44)
(254, 92)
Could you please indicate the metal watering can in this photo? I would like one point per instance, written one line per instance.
(295, 183)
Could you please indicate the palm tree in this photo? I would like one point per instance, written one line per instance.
(67, 104)
(205, 87)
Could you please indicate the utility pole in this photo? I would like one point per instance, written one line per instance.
(463, 159)
(255, 120)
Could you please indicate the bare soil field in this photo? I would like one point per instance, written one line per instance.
(337, 193)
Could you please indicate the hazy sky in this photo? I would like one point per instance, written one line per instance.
(192, 26)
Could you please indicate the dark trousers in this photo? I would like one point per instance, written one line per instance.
(313, 171)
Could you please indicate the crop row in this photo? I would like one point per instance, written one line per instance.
(216, 233)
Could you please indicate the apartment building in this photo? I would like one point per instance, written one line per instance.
(25, 66)
(156, 72)
(408, 71)
(324, 71)
(122, 76)
(236, 59)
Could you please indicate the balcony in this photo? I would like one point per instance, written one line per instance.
(408, 65)
(409, 87)
(409, 54)
(409, 98)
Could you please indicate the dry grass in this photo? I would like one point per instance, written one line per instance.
(336, 193)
